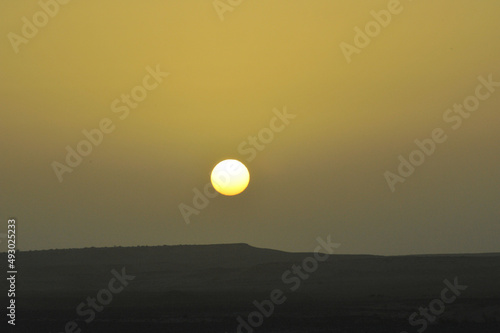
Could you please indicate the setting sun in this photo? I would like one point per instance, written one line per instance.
(230, 177)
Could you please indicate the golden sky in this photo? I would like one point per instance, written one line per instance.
(322, 174)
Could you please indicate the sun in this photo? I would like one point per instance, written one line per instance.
(230, 177)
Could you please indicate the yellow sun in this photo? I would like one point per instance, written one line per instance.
(230, 177)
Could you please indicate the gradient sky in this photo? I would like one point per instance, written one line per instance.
(323, 174)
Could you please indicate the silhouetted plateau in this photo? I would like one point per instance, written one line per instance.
(205, 288)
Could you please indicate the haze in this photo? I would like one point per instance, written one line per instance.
(323, 174)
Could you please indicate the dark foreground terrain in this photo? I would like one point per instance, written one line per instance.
(208, 288)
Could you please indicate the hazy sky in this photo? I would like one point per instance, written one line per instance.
(322, 174)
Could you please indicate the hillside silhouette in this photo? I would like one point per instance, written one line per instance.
(179, 287)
